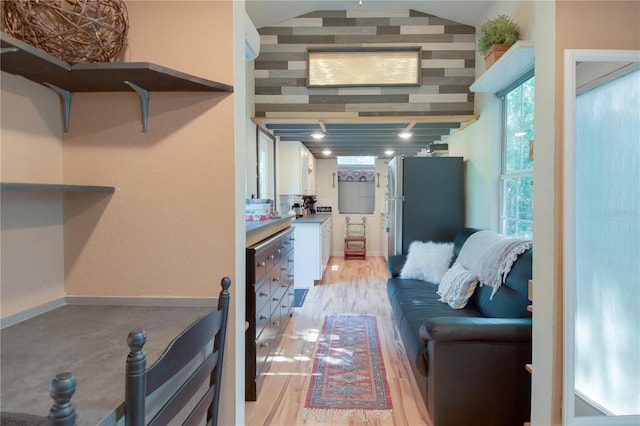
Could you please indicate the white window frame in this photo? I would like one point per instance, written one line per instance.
(510, 176)
(571, 58)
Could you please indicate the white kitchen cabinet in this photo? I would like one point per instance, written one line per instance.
(295, 168)
(312, 248)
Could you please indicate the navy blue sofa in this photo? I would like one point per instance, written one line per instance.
(469, 363)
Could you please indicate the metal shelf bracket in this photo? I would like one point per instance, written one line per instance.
(144, 103)
(65, 96)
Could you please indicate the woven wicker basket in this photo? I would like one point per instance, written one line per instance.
(71, 30)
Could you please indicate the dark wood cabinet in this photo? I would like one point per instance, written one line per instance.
(269, 303)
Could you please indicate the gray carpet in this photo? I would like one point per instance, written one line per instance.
(88, 341)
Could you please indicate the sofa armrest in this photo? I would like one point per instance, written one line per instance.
(447, 329)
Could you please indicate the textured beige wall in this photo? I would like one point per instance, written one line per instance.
(31, 239)
(169, 228)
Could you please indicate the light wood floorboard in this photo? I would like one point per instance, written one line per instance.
(348, 287)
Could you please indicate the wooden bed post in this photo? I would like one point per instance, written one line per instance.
(61, 389)
(135, 380)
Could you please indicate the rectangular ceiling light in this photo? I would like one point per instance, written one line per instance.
(364, 67)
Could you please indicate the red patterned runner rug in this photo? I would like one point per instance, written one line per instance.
(348, 374)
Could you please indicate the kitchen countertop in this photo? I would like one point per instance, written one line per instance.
(258, 225)
(312, 218)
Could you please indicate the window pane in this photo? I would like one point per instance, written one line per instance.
(356, 186)
(518, 127)
(517, 173)
(607, 244)
(361, 160)
(518, 197)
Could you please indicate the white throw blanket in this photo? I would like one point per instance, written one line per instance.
(490, 255)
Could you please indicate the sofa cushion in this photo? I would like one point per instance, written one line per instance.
(457, 286)
(427, 261)
(413, 303)
(512, 299)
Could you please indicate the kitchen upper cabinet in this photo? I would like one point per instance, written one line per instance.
(295, 168)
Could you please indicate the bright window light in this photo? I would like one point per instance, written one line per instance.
(350, 160)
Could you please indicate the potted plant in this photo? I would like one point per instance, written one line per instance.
(496, 36)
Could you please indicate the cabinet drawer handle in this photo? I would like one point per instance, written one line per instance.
(263, 294)
(278, 251)
(261, 264)
(264, 345)
(270, 257)
(284, 285)
(262, 318)
(276, 323)
(282, 268)
(290, 260)
(275, 299)
(285, 306)
(275, 279)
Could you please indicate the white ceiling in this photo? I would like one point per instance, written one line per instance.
(268, 12)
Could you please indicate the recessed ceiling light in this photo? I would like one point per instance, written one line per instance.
(317, 135)
(326, 152)
(389, 152)
(405, 134)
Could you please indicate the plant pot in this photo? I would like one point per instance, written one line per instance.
(494, 53)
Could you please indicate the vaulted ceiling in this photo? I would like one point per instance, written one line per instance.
(358, 121)
(264, 13)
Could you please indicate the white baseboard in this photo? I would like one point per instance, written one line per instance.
(31, 312)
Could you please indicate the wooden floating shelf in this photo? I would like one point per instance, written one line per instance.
(34, 64)
(50, 187)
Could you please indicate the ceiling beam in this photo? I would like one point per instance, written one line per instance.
(328, 120)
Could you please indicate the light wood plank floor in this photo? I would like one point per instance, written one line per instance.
(348, 287)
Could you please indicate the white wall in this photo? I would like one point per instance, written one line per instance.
(479, 143)
(327, 195)
(251, 186)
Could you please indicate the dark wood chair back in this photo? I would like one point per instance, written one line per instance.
(199, 348)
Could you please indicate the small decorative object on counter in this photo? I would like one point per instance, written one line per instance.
(258, 209)
(71, 30)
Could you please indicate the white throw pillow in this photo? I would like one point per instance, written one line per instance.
(457, 286)
(427, 261)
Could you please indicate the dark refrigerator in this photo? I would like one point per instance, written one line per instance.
(425, 200)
